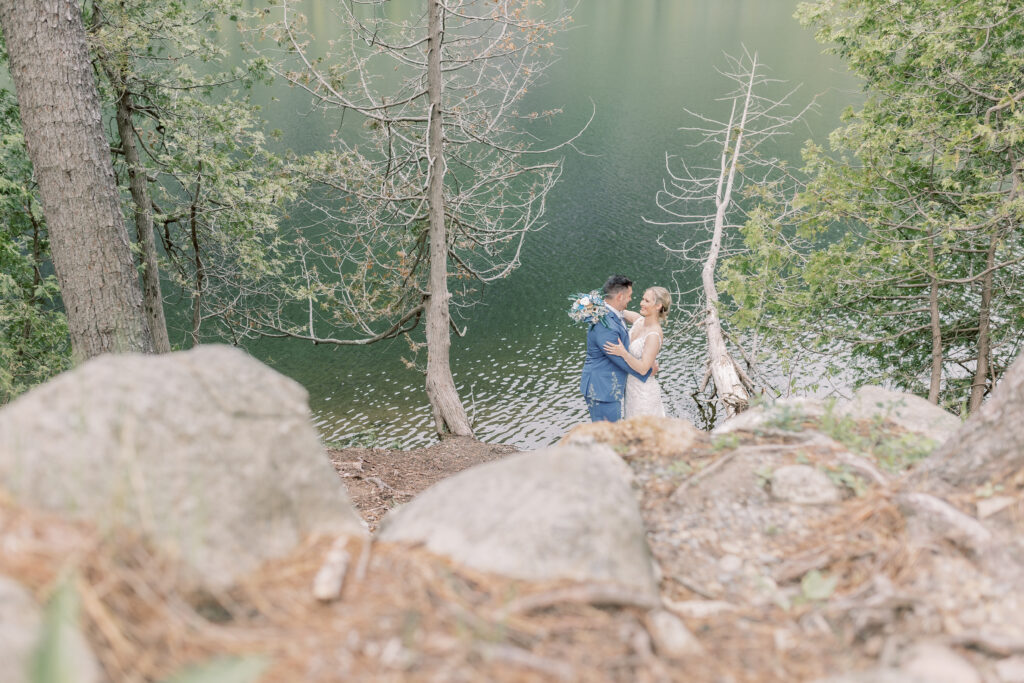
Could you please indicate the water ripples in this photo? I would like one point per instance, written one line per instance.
(518, 391)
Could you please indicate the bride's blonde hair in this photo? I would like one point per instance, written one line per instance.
(661, 296)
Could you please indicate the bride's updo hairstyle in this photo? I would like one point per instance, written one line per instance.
(661, 296)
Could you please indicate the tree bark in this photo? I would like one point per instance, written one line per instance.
(988, 447)
(60, 114)
(153, 301)
(980, 381)
(936, 324)
(449, 415)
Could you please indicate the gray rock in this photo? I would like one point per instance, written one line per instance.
(670, 635)
(20, 623)
(563, 513)
(875, 676)
(785, 414)
(209, 452)
(910, 412)
(1011, 669)
(938, 664)
(805, 485)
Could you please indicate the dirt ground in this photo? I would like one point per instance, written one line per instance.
(378, 479)
(407, 615)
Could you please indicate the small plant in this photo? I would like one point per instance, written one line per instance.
(725, 442)
(679, 468)
(764, 476)
(816, 586)
(785, 417)
(842, 476)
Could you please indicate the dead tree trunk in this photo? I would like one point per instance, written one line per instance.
(60, 115)
(449, 415)
(728, 385)
(990, 444)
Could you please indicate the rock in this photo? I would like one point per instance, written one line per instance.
(670, 635)
(930, 516)
(563, 513)
(208, 452)
(20, 623)
(662, 436)
(1010, 670)
(785, 414)
(910, 412)
(874, 676)
(986, 507)
(938, 664)
(805, 485)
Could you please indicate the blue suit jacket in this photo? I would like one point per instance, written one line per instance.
(604, 376)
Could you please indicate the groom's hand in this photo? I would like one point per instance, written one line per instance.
(654, 368)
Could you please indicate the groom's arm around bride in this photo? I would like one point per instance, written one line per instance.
(603, 383)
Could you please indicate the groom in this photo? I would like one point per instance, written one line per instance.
(604, 376)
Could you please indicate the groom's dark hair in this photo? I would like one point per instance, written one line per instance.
(615, 284)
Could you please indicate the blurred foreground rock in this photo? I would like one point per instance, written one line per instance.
(562, 513)
(208, 452)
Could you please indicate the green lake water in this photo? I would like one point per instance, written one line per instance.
(641, 62)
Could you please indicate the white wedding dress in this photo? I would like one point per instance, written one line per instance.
(642, 398)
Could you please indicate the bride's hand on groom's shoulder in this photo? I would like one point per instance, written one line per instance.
(615, 348)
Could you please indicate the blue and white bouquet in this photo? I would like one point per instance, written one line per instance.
(588, 309)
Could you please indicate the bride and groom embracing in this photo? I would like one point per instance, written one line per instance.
(618, 373)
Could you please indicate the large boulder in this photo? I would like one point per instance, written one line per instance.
(785, 414)
(21, 622)
(564, 513)
(208, 452)
(908, 411)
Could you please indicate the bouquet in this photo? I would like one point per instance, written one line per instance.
(589, 308)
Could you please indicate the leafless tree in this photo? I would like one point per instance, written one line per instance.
(707, 203)
(435, 193)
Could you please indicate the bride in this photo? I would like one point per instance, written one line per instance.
(645, 337)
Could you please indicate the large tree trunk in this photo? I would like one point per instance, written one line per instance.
(139, 185)
(449, 415)
(60, 115)
(988, 446)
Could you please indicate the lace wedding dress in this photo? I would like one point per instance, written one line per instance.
(642, 398)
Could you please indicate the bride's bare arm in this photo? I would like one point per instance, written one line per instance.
(642, 364)
(630, 316)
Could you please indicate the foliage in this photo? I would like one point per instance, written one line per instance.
(895, 450)
(33, 329)
(906, 250)
(218, 193)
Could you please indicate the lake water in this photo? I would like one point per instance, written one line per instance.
(641, 62)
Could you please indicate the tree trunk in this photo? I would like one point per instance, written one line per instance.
(152, 298)
(984, 333)
(60, 115)
(935, 321)
(728, 384)
(988, 447)
(449, 415)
